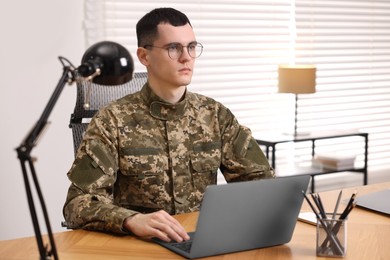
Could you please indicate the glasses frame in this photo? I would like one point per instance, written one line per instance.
(169, 48)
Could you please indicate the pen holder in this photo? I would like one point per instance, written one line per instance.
(331, 236)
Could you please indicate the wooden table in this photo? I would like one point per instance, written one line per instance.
(368, 238)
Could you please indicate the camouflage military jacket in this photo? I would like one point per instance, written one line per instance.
(141, 154)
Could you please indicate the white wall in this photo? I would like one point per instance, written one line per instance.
(33, 35)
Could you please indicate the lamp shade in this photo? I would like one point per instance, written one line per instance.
(114, 61)
(297, 79)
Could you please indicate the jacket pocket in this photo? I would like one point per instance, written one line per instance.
(143, 178)
(205, 161)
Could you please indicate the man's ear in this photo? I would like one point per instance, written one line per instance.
(143, 57)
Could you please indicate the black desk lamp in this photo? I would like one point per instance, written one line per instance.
(105, 63)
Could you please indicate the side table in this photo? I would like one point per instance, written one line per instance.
(270, 141)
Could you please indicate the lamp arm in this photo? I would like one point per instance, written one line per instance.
(30, 140)
(24, 155)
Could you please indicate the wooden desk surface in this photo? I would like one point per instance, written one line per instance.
(368, 238)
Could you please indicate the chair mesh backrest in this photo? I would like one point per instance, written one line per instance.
(99, 96)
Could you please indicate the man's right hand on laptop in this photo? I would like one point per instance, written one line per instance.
(157, 224)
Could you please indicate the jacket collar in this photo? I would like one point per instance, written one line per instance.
(161, 109)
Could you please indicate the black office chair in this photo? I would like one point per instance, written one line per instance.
(96, 96)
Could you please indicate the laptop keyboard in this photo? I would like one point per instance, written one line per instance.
(185, 246)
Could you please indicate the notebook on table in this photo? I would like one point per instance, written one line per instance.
(243, 216)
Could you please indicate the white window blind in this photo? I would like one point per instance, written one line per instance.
(244, 41)
(349, 41)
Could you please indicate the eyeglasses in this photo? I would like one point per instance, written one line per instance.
(175, 50)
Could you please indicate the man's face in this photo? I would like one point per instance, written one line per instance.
(163, 70)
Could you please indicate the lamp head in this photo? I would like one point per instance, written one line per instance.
(112, 59)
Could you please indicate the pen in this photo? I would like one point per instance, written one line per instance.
(321, 205)
(316, 200)
(311, 205)
(349, 207)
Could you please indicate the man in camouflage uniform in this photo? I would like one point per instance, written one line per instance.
(152, 154)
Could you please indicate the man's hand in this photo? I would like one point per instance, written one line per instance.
(158, 224)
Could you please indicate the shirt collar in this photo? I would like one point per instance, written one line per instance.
(161, 109)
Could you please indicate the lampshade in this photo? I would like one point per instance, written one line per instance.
(114, 61)
(297, 79)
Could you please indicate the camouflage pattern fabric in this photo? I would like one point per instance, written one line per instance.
(141, 154)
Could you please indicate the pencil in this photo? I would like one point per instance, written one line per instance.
(337, 204)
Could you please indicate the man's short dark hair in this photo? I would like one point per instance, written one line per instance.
(147, 26)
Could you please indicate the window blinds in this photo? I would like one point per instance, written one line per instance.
(349, 41)
(244, 41)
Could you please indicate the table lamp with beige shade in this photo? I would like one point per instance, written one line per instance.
(297, 79)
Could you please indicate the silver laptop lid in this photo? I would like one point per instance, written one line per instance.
(376, 201)
(248, 215)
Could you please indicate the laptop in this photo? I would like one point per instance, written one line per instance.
(375, 201)
(243, 216)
